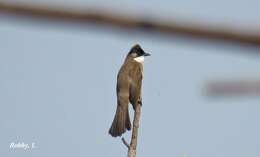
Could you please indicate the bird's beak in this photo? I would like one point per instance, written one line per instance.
(147, 54)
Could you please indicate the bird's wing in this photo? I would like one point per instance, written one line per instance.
(136, 86)
(122, 89)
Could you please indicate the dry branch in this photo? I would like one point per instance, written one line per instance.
(125, 143)
(133, 144)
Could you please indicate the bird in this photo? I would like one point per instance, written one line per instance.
(128, 89)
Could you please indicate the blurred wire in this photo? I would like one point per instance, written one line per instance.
(128, 22)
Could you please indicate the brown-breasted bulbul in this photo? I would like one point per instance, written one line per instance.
(129, 84)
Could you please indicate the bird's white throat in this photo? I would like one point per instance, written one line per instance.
(139, 59)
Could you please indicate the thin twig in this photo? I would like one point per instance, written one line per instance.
(125, 143)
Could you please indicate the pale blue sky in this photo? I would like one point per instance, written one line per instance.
(57, 85)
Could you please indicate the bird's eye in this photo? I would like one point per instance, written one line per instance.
(134, 54)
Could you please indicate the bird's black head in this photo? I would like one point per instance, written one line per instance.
(137, 51)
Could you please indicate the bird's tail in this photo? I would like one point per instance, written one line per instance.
(121, 122)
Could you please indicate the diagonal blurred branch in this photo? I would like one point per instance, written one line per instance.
(127, 22)
(233, 88)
